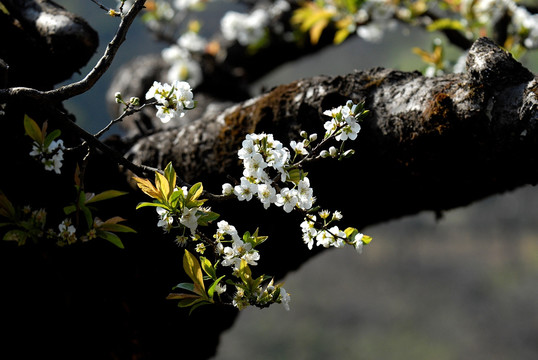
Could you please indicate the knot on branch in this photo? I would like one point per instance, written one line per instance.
(492, 66)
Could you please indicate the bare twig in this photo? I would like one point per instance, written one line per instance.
(82, 86)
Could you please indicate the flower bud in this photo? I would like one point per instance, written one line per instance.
(333, 151)
(118, 97)
(348, 153)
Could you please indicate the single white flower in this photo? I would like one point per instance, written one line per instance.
(266, 194)
(287, 199)
(349, 131)
(247, 149)
(189, 218)
(285, 298)
(305, 194)
(165, 219)
(220, 288)
(245, 190)
(299, 148)
(324, 238)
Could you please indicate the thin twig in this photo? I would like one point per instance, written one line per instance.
(71, 90)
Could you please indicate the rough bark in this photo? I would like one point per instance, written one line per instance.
(429, 144)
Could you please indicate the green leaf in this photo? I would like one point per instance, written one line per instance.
(207, 217)
(201, 303)
(208, 268)
(16, 235)
(69, 209)
(113, 238)
(211, 290)
(87, 215)
(51, 137)
(176, 199)
(105, 195)
(192, 196)
(33, 130)
(296, 175)
(117, 228)
(170, 175)
(351, 233)
(445, 24)
(6, 207)
(189, 302)
(153, 204)
(185, 286)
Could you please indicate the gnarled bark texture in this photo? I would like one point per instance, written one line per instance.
(428, 144)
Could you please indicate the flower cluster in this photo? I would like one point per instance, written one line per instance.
(45, 146)
(240, 250)
(51, 155)
(31, 224)
(265, 160)
(274, 175)
(344, 124)
(263, 296)
(330, 236)
(173, 99)
(247, 29)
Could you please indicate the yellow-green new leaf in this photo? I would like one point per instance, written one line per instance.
(113, 238)
(105, 195)
(170, 175)
(33, 130)
(445, 24)
(147, 187)
(194, 271)
(209, 269)
(162, 184)
(6, 207)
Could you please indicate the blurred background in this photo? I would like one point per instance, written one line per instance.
(464, 286)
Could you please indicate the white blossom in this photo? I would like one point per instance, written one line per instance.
(227, 189)
(245, 190)
(287, 199)
(266, 194)
(192, 41)
(299, 147)
(245, 28)
(285, 298)
(165, 219)
(173, 99)
(305, 194)
(51, 157)
(189, 218)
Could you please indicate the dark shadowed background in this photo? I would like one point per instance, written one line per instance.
(464, 286)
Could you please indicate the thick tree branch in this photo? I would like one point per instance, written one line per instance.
(430, 143)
